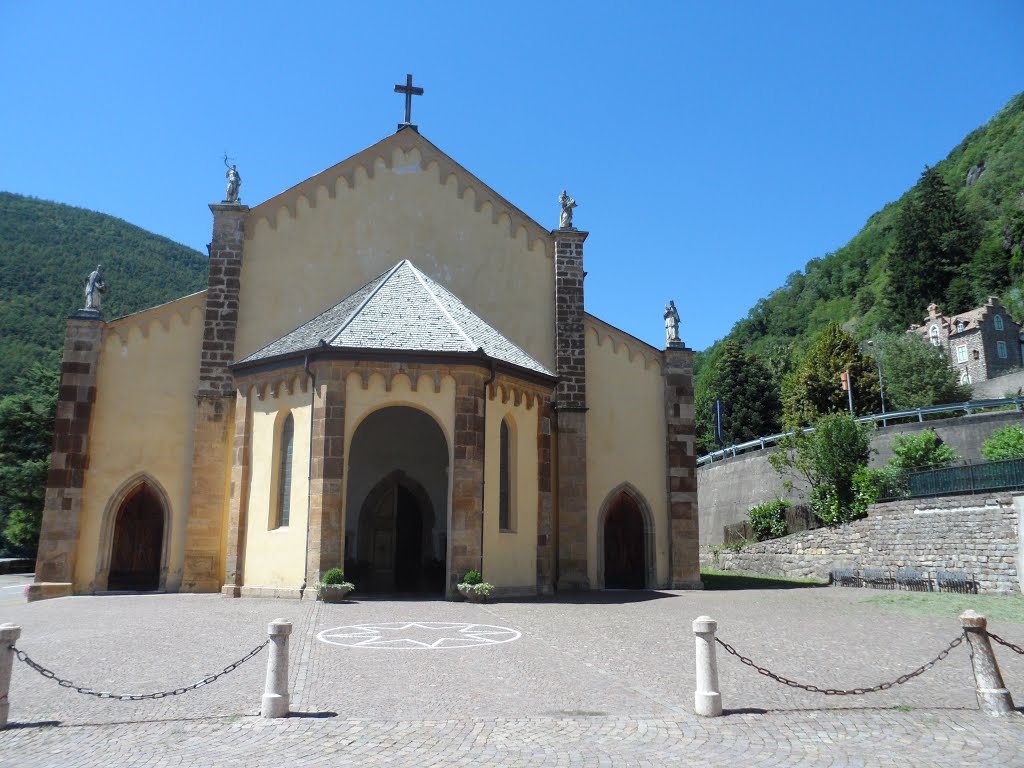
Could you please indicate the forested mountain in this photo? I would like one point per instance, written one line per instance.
(954, 238)
(47, 251)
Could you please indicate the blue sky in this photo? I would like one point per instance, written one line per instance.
(713, 147)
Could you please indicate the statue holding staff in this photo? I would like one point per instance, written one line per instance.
(567, 203)
(95, 287)
(671, 323)
(234, 183)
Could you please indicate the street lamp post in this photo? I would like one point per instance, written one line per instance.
(881, 385)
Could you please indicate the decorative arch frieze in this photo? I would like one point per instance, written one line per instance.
(187, 310)
(403, 152)
(620, 340)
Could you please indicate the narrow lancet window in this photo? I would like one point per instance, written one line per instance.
(504, 482)
(284, 478)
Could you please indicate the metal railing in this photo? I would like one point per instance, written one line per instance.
(1003, 475)
(913, 413)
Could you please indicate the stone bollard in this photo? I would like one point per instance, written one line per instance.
(9, 634)
(992, 694)
(707, 699)
(275, 695)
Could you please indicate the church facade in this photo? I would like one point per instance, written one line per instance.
(391, 371)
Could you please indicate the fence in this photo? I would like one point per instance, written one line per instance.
(275, 696)
(915, 413)
(992, 694)
(1004, 475)
(906, 579)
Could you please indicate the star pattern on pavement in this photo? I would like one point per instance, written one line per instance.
(418, 635)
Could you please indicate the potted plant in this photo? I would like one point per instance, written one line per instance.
(332, 587)
(474, 588)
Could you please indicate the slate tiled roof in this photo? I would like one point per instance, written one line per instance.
(400, 310)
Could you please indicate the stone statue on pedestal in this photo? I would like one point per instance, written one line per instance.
(671, 324)
(234, 183)
(567, 203)
(95, 287)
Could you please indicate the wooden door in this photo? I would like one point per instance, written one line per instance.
(137, 547)
(624, 557)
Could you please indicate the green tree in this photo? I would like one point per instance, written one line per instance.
(814, 389)
(750, 401)
(915, 373)
(1005, 443)
(26, 436)
(925, 449)
(828, 459)
(935, 238)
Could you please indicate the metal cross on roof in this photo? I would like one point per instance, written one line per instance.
(409, 90)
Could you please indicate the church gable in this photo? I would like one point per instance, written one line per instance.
(400, 199)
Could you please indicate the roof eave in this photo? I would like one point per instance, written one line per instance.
(306, 356)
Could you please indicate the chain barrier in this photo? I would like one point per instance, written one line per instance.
(49, 674)
(837, 691)
(1007, 643)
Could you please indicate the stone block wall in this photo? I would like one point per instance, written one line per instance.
(681, 462)
(570, 416)
(61, 521)
(977, 534)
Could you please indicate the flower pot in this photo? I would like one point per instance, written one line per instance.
(333, 593)
(473, 593)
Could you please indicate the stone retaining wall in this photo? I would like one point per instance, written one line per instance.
(727, 489)
(977, 534)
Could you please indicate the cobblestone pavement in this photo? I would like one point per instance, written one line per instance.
(605, 681)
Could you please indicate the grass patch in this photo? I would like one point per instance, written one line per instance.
(723, 580)
(949, 605)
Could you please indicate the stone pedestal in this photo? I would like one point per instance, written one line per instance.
(9, 634)
(58, 539)
(707, 698)
(681, 462)
(275, 701)
(993, 697)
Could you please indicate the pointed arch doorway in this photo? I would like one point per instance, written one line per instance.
(627, 542)
(136, 550)
(394, 525)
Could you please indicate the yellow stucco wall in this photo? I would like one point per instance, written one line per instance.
(332, 246)
(510, 557)
(142, 423)
(276, 556)
(625, 432)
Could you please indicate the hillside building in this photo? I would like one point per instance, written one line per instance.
(391, 370)
(981, 344)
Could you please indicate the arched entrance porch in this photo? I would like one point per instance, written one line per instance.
(396, 527)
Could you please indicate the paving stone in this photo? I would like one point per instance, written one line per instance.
(603, 680)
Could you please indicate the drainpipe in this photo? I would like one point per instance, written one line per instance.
(309, 470)
(483, 458)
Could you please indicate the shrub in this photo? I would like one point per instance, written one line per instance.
(925, 449)
(827, 460)
(472, 577)
(769, 520)
(1005, 443)
(333, 576)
